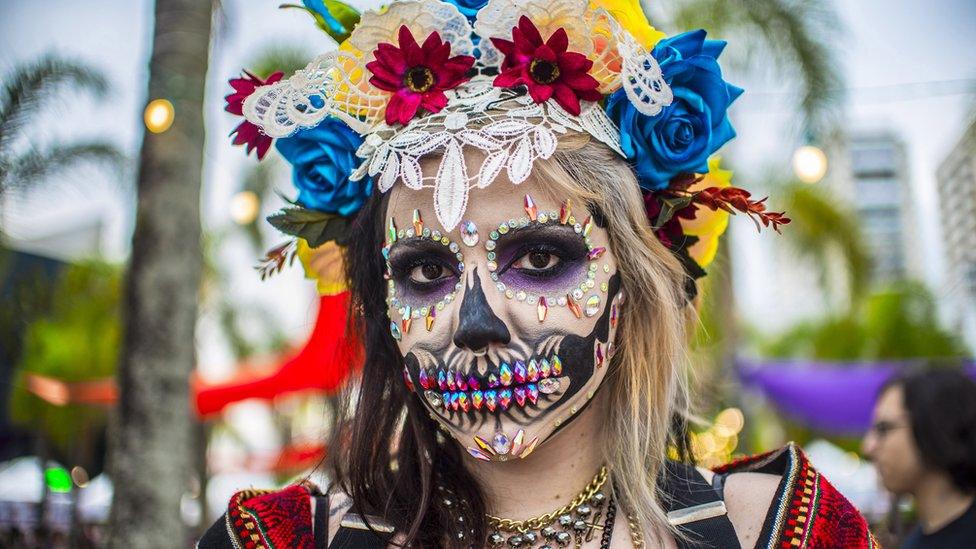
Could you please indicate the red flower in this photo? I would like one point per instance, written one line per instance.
(547, 69)
(247, 133)
(418, 76)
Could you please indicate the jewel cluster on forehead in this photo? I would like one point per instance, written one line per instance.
(575, 296)
(410, 312)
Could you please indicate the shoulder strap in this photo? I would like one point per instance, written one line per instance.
(696, 509)
(353, 533)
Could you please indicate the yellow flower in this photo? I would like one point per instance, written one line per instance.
(324, 265)
(708, 225)
(631, 17)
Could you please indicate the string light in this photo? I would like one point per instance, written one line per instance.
(809, 164)
(159, 115)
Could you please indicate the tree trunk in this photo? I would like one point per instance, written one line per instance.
(151, 447)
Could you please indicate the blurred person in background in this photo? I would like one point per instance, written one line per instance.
(923, 443)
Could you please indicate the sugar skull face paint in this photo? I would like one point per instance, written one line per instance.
(506, 323)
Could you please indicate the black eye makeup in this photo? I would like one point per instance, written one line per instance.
(423, 273)
(546, 259)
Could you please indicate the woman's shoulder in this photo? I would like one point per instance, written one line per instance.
(804, 509)
(265, 518)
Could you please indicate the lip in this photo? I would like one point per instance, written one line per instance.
(511, 384)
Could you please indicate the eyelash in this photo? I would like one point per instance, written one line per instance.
(548, 272)
(401, 272)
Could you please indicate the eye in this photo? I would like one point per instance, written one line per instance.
(427, 272)
(537, 260)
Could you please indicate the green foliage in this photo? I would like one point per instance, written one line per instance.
(827, 236)
(26, 91)
(895, 323)
(77, 340)
(335, 18)
(796, 35)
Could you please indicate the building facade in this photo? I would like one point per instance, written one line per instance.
(956, 179)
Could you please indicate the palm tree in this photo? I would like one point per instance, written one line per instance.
(796, 35)
(27, 89)
(151, 443)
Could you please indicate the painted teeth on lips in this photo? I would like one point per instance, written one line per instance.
(511, 384)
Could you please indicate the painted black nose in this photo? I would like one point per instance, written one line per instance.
(478, 325)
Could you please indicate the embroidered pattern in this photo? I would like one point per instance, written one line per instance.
(271, 519)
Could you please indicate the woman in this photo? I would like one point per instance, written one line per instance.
(521, 279)
(926, 449)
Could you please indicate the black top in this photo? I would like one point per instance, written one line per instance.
(684, 488)
(958, 533)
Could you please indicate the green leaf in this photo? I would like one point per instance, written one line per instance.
(314, 226)
(670, 205)
(337, 20)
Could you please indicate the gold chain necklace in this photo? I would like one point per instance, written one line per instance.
(573, 519)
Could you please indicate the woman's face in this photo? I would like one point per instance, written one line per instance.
(889, 443)
(505, 323)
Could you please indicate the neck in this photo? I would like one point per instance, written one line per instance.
(939, 502)
(552, 475)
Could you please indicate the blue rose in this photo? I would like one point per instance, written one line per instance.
(469, 7)
(684, 134)
(322, 159)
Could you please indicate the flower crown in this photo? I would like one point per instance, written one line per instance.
(507, 78)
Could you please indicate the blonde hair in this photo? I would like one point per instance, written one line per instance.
(647, 383)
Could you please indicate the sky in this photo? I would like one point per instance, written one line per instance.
(903, 60)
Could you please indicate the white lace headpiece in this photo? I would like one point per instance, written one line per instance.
(508, 127)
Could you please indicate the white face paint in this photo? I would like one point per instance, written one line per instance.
(505, 323)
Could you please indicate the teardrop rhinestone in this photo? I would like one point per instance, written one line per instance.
(531, 373)
(505, 374)
(599, 355)
(595, 253)
(463, 402)
(520, 396)
(532, 391)
(504, 398)
(492, 381)
(424, 379)
(565, 211)
(406, 379)
(574, 306)
(557, 366)
(478, 454)
(469, 233)
(395, 330)
(446, 397)
(548, 386)
(542, 309)
(473, 382)
(451, 381)
(500, 444)
(587, 226)
(613, 316)
(530, 208)
(592, 306)
(520, 372)
(418, 222)
(391, 233)
(455, 401)
(434, 398)
(441, 380)
(490, 400)
(462, 385)
(545, 370)
(477, 399)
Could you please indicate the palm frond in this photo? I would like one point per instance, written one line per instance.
(823, 232)
(30, 84)
(31, 168)
(795, 34)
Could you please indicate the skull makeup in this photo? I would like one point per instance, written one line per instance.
(506, 323)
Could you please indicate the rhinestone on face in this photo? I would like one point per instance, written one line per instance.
(490, 245)
(531, 373)
(418, 222)
(395, 330)
(532, 391)
(574, 306)
(544, 368)
(520, 372)
(505, 374)
(425, 381)
(548, 386)
(592, 306)
(504, 398)
(433, 398)
(530, 208)
(542, 309)
(469, 233)
(501, 444)
(557, 366)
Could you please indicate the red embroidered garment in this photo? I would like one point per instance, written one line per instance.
(806, 512)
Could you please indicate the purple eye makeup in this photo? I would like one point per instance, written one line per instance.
(545, 259)
(423, 273)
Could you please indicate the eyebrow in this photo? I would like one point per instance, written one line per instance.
(417, 244)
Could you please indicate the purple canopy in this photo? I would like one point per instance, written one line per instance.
(831, 397)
